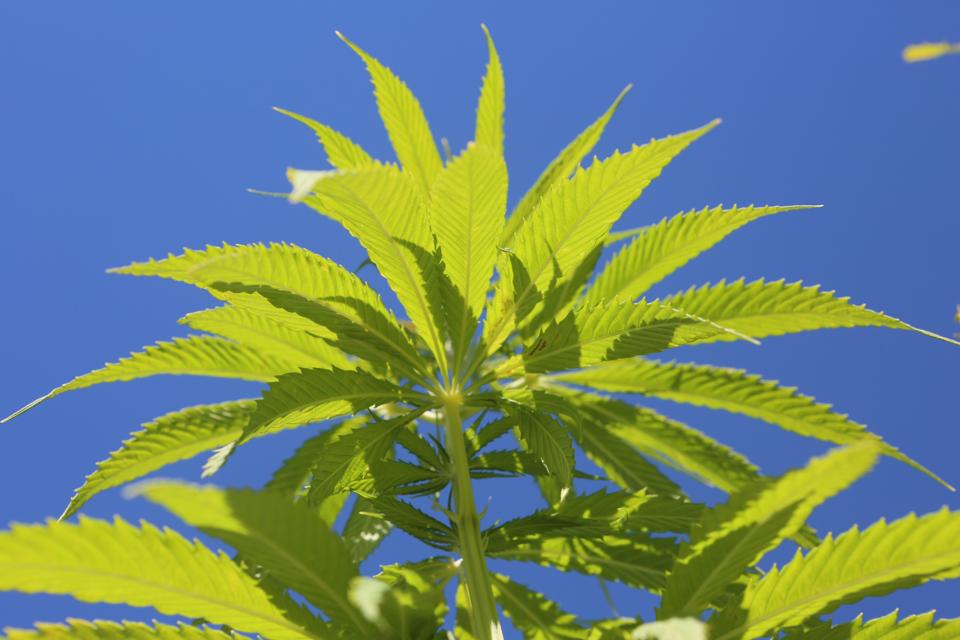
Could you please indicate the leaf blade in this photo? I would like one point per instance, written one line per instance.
(261, 331)
(131, 566)
(845, 569)
(536, 616)
(313, 395)
(560, 168)
(172, 437)
(381, 207)
(571, 220)
(734, 536)
(193, 355)
(760, 309)
(104, 630)
(732, 390)
(661, 249)
(297, 287)
(466, 214)
(342, 152)
(403, 118)
(490, 108)
(286, 538)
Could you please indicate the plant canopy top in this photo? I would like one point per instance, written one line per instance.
(520, 338)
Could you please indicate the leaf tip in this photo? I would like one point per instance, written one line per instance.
(22, 410)
(360, 52)
(70, 510)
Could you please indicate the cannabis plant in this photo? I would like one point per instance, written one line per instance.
(513, 356)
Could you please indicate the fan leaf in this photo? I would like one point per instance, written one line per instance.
(170, 438)
(292, 476)
(314, 395)
(760, 309)
(381, 208)
(303, 290)
(734, 536)
(660, 249)
(287, 539)
(350, 456)
(571, 220)
(668, 441)
(533, 614)
(117, 563)
(404, 120)
(732, 390)
(103, 630)
(615, 558)
(622, 464)
(342, 152)
(363, 533)
(489, 130)
(881, 559)
(192, 356)
(466, 214)
(415, 522)
(268, 334)
(611, 331)
(560, 168)
(918, 627)
(548, 439)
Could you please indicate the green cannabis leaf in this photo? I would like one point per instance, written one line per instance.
(520, 342)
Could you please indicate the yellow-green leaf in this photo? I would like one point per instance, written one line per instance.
(466, 214)
(881, 559)
(533, 614)
(760, 309)
(660, 249)
(313, 395)
(611, 331)
(734, 536)
(567, 224)
(172, 437)
(342, 152)
(299, 289)
(560, 168)
(489, 130)
(382, 209)
(888, 627)
(193, 356)
(406, 125)
(624, 429)
(265, 331)
(104, 630)
(117, 563)
(286, 538)
(731, 390)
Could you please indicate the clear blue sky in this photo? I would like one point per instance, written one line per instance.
(130, 129)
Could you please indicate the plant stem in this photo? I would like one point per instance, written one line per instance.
(483, 607)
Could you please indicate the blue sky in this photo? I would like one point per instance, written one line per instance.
(130, 129)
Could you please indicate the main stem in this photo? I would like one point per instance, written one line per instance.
(483, 607)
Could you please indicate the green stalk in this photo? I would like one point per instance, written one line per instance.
(483, 607)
